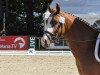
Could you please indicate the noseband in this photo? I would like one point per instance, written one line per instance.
(60, 22)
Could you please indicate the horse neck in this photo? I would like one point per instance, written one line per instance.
(77, 33)
(77, 29)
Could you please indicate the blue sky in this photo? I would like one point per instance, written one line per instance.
(79, 6)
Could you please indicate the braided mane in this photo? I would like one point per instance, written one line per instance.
(82, 20)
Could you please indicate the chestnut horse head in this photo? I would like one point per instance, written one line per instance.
(80, 37)
(54, 26)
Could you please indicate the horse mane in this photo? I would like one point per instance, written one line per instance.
(82, 20)
(78, 18)
(92, 26)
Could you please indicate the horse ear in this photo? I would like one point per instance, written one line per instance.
(50, 10)
(57, 8)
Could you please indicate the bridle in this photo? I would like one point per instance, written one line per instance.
(59, 24)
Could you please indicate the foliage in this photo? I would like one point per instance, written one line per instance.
(25, 17)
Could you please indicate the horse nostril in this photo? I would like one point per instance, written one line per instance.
(45, 41)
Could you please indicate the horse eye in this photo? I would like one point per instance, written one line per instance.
(54, 22)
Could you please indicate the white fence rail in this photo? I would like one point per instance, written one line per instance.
(30, 52)
(54, 53)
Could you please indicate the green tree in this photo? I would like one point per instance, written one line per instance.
(25, 17)
(16, 21)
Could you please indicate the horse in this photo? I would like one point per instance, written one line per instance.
(78, 34)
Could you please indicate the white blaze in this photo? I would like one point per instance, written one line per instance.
(50, 30)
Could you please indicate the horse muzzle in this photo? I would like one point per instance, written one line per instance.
(45, 41)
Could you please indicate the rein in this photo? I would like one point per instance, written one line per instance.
(81, 40)
(78, 41)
